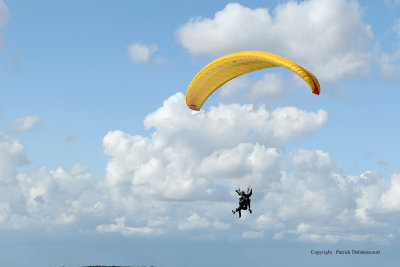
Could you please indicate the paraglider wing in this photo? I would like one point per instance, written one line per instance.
(228, 67)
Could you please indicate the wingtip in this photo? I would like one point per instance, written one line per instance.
(316, 91)
(193, 107)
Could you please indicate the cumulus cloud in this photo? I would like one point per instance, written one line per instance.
(141, 53)
(329, 36)
(4, 16)
(25, 123)
(173, 165)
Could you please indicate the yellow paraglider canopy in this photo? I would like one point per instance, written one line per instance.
(225, 68)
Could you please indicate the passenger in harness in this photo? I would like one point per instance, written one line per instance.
(244, 201)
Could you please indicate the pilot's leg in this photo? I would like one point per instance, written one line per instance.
(249, 206)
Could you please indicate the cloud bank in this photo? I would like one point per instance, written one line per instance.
(181, 179)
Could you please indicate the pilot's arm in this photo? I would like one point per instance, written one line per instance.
(251, 192)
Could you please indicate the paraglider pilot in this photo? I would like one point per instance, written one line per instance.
(244, 201)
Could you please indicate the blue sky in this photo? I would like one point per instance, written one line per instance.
(101, 159)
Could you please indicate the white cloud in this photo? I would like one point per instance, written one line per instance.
(328, 206)
(12, 156)
(303, 228)
(328, 37)
(26, 123)
(4, 16)
(194, 221)
(234, 88)
(231, 125)
(245, 160)
(271, 86)
(5, 211)
(141, 53)
(268, 222)
(311, 160)
(45, 198)
(120, 227)
(391, 198)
